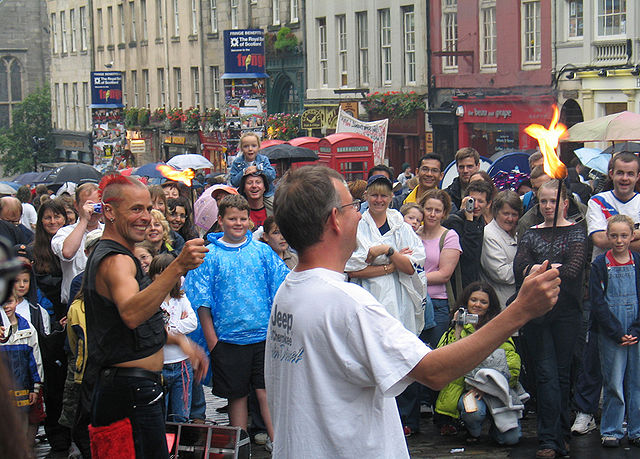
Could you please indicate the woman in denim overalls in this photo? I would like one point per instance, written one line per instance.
(614, 284)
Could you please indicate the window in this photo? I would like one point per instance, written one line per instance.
(110, 19)
(54, 34)
(324, 61)
(76, 107)
(87, 106)
(65, 103)
(100, 28)
(215, 85)
(195, 83)
(63, 31)
(576, 20)
(132, 14)
(10, 88)
(160, 20)
(147, 88)
(341, 22)
(488, 34)
(194, 17)
(450, 34)
(294, 11)
(234, 14)
(57, 102)
(162, 91)
(176, 18)
(612, 17)
(121, 18)
(531, 32)
(143, 17)
(74, 29)
(363, 48)
(275, 12)
(177, 78)
(409, 45)
(385, 45)
(134, 86)
(213, 15)
(83, 28)
(125, 93)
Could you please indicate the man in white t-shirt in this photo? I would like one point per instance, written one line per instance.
(68, 242)
(335, 358)
(623, 199)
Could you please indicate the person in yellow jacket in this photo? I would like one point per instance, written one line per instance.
(430, 172)
(457, 400)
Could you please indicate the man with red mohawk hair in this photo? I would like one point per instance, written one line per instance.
(125, 328)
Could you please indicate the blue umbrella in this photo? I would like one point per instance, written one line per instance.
(149, 170)
(13, 185)
(593, 158)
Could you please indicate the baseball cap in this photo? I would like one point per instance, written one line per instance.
(379, 178)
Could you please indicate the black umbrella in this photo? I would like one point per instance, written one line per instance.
(289, 153)
(633, 147)
(76, 173)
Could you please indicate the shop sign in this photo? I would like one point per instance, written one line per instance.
(511, 111)
(428, 144)
(312, 118)
(502, 114)
(351, 108)
(138, 147)
(71, 143)
(106, 90)
(244, 51)
(175, 140)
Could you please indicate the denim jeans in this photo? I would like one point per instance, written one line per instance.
(621, 388)
(140, 400)
(409, 406)
(620, 364)
(550, 343)
(588, 385)
(431, 337)
(473, 422)
(198, 402)
(178, 378)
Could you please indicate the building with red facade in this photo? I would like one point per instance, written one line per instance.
(490, 73)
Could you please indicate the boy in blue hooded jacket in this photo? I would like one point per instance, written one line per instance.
(232, 292)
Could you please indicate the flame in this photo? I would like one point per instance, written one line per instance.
(548, 141)
(169, 172)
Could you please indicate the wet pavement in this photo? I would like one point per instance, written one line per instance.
(429, 444)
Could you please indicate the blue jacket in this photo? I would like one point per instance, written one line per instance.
(22, 357)
(262, 163)
(603, 319)
(238, 285)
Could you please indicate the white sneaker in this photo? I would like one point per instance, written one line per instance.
(583, 424)
(268, 445)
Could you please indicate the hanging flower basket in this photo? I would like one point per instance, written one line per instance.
(394, 104)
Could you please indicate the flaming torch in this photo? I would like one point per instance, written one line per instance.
(548, 141)
(185, 176)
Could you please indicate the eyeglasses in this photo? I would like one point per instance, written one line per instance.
(357, 203)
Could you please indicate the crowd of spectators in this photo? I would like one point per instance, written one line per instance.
(443, 262)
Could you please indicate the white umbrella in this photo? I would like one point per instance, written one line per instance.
(189, 161)
(7, 189)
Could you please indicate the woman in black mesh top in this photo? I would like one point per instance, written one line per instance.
(550, 340)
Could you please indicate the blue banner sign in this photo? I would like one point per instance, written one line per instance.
(244, 53)
(106, 90)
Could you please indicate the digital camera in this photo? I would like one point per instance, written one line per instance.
(464, 317)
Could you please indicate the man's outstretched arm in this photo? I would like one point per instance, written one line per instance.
(538, 294)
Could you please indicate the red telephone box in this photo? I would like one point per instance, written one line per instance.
(305, 142)
(349, 153)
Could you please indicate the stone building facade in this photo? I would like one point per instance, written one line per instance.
(24, 57)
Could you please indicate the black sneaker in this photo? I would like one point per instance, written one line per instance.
(610, 442)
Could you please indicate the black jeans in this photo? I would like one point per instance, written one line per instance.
(139, 399)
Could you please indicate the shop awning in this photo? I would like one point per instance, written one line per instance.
(238, 76)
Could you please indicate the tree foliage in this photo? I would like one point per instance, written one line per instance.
(31, 118)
